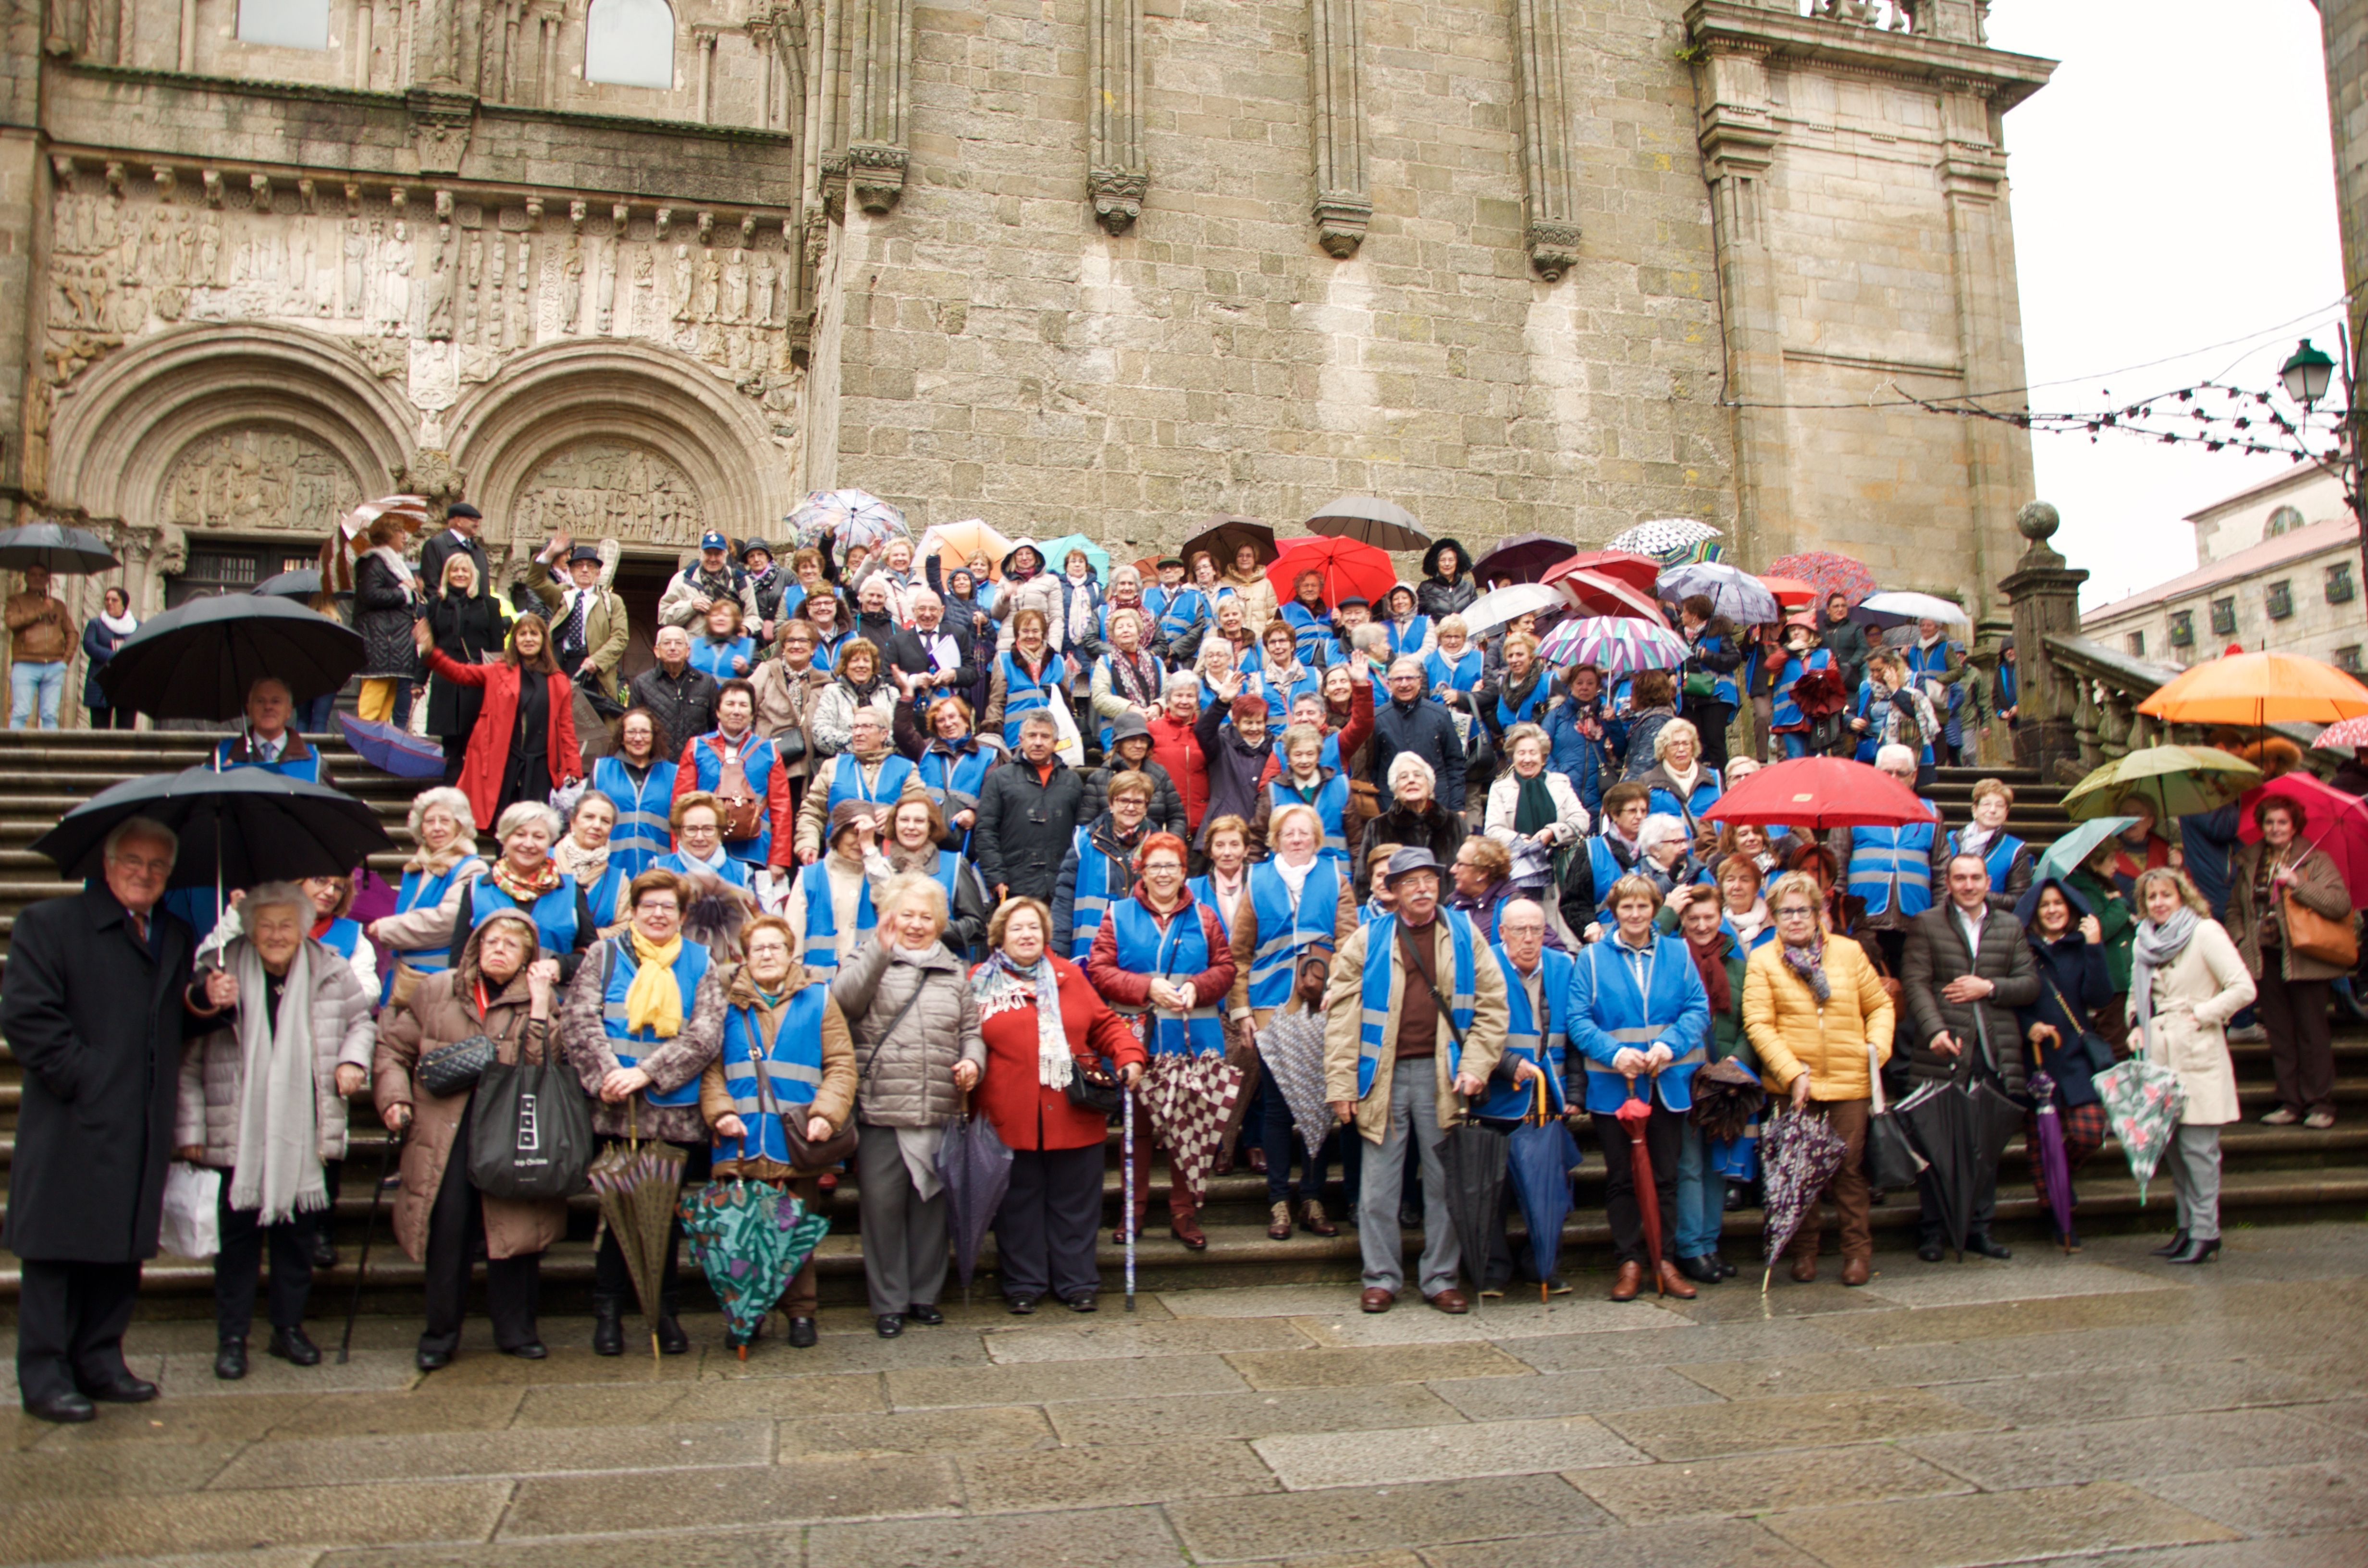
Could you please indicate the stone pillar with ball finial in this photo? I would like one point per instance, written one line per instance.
(2044, 593)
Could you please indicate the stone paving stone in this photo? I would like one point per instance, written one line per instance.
(1696, 1544)
(1019, 1427)
(1111, 1537)
(2004, 1319)
(1382, 1364)
(1570, 1394)
(1807, 1420)
(2343, 1549)
(722, 1548)
(2044, 1275)
(1309, 1461)
(2274, 1499)
(709, 1400)
(1739, 1298)
(1763, 1483)
(570, 1364)
(1368, 1519)
(192, 1376)
(2058, 1456)
(162, 1421)
(1263, 1300)
(113, 1470)
(2073, 1398)
(1087, 1422)
(425, 1408)
(1955, 1532)
(804, 1491)
(1915, 1366)
(1143, 1472)
(1063, 1381)
(1679, 1346)
(2329, 1371)
(263, 1557)
(2351, 1414)
(370, 1515)
(1118, 1339)
(330, 1461)
(865, 1352)
(1510, 1322)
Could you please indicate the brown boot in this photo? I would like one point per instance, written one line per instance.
(1674, 1283)
(1311, 1216)
(1278, 1226)
(1804, 1267)
(1628, 1282)
(1856, 1271)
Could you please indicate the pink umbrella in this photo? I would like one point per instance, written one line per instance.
(2350, 732)
(2335, 823)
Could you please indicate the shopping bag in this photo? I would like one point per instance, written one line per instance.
(530, 1131)
(1891, 1161)
(192, 1211)
(1069, 746)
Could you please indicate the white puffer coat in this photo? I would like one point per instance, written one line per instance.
(213, 1070)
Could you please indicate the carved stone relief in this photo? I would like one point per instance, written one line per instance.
(245, 480)
(606, 489)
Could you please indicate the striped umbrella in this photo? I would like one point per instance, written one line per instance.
(1617, 647)
(1827, 571)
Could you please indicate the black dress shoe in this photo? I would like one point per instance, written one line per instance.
(432, 1360)
(230, 1360)
(1701, 1270)
(324, 1251)
(888, 1325)
(803, 1336)
(607, 1327)
(125, 1390)
(2196, 1251)
(1931, 1252)
(1726, 1270)
(294, 1346)
(1021, 1305)
(671, 1338)
(925, 1312)
(2171, 1248)
(1735, 1193)
(532, 1350)
(66, 1409)
(1986, 1247)
(1083, 1301)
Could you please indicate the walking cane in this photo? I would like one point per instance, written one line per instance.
(1126, 1178)
(361, 1265)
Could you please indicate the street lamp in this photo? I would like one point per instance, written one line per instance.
(2307, 374)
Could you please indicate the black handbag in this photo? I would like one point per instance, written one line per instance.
(531, 1130)
(454, 1069)
(1889, 1160)
(2096, 1048)
(1094, 1085)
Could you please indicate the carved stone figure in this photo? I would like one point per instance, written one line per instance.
(438, 317)
(643, 305)
(571, 287)
(394, 281)
(602, 488)
(258, 479)
(681, 283)
(735, 288)
(608, 289)
(358, 250)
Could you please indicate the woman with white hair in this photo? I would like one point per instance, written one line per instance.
(1683, 784)
(914, 1019)
(263, 1101)
(525, 878)
(1416, 818)
(1532, 811)
(419, 932)
(1665, 853)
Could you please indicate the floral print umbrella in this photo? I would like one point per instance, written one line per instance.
(2143, 1103)
(1828, 571)
(1800, 1153)
(1668, 539)
(850, 517)
(750, 1238)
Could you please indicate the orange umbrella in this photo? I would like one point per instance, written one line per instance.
(2257, 689)
(1791, 591)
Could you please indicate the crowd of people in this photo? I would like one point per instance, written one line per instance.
(884, 834)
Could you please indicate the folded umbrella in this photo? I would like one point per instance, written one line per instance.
(1296, 1072)
(1472, 1159)
(749, 1238)
(1346, 566)
(1727, 1096)
(1540, 1155)
(638, 1184)
(1820, 792)
(2054, 1167)
(2176, 780)
(2143, 1103)
(2257, 689)
(62, 550)
(1499, 607)
(1524, 558)
(1369, 520)
(1189, 1097)
(2336, 824)
(1800, 1155)
(237, 827)
(976, 1164)
(1633, 1113)
(198, 662)
(395, 751)
(1821, 693)
(1828, 571)
(1732, 592)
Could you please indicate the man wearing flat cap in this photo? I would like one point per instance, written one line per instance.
(1414, 1023)
(463, 523)
(588, 621)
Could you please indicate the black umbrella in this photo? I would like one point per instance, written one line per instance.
(237, 827)
(975, 1165)
(1961, 1129)
(198, 660)
(1222, 536)
(1524, 558)
(1472, 1163)
(53, 545)
(300, 584)
(1369, 520)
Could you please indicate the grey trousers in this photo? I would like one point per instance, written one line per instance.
(904, 1234)
(2193, 1157)
(1414, 1112)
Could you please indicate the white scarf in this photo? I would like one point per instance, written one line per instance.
(1001, 986)
(278, 1162)
(122, 625)
(1684, 781)
(396, 565)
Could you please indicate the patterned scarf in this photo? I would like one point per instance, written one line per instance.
(2157, 945)
(999, 984)
(1809, 963)
(522, 888)
(586, 866)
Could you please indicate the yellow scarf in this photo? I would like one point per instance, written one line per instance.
(653, 1002)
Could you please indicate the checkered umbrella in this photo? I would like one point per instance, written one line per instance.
(1617, 647)
(1191, 1099)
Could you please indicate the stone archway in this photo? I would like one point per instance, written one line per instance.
(616, 440)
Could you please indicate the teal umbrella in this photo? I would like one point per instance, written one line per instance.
(1056, 555)
(2071, 852)
(751, 1238)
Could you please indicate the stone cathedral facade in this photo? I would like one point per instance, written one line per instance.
(1104, 266)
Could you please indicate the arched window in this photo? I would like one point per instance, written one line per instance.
(629, 43)
(290, 24)
(2284, 520)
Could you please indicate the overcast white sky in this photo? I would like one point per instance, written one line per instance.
(2173, 190)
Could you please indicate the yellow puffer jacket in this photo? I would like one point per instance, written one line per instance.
(1793, 1035)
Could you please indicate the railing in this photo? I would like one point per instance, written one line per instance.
(2108, 686)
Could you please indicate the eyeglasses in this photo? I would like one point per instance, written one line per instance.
(1794, 912)
(144, 866)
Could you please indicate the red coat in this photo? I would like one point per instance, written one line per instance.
(1023, 1112)
(489, 743)
(1125, 988)
(1354, 732)
(1176, 749)
(781, 817)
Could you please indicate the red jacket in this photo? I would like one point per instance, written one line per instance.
(489, 743)
(1024, 1113)
(1354, 733)
(779, 815)
(1175, 748)
(1124, 988)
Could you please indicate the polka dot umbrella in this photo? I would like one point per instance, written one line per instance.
(1670, 540)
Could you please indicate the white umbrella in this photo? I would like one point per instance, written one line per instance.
(1665, 537)
(1898, 609)
(1500, 606)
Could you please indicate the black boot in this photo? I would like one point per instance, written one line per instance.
(671, 1338)
(2196, 1251)
(607, 1327)
(2171, 1248)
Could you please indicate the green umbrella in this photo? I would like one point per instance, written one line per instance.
(2071, 852)
(2176, 780)
(751, 1238)
(1056, 554)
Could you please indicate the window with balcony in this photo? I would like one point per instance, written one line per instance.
(629, 43)
(2339, 583)
(289, 24)
(2137, 644)
(2224, 618)
(2182, 629)
(2280, 600)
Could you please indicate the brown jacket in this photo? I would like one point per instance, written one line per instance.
(442, 1011)
(39, 629)
(2320, 889)
(670, 1066)
(834, 1098)
(783, 702)
(1344, 1021)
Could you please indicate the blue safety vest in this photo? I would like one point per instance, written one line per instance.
(820, 935)
(341, 937)
(607, 897)
(1285, 932)
(1374, 991)
(1708, 787)
(1101, 880)
(307, 767)
(1532, 708)
(1310, 628)
(758, 760)
(1785, 710)
(790, 1065)
(629, 1046)
(1612, 1004)
(1330, 799)
(1023, 694)
(1528, 1040)
(553, 912)
(1187, 609)
(417, 892)
(735, 873)
(1999, 862)
(847, 780)
(644, 829)
(1462, 672)
(1878, 854)
(1178, 954)
(1408, 639)
(716, 658)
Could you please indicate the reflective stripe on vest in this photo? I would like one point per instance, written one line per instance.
(1091, 894)
(846, 782)
(628, 1046)
(1373, 989)
(1024, 693)
(792, 1065)
(644, 831)
(1330, 800)
(415, 894)
(820, 953)
(1522, 1036)
(553, 913)
(1178, 955)
(1880, 853)
(1284, 932)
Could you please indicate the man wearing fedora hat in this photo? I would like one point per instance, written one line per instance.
(1415, 1022)
(588, 620)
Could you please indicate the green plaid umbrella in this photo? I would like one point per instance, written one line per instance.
(2178, 780)
(751, 1238)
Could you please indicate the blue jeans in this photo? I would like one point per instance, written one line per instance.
(28, 679)
(1702, 1199)
(313, 717)
(1796, 744)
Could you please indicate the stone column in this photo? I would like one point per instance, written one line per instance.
(878, 106)
(1551, 229)
(1344, 208)
(2046, 597)
(1116, 179)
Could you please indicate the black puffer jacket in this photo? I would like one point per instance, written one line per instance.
(1025, 823)
(1436, 829)
(1936, 955)
(382, 614)
(1438, 597)
(1167, 806)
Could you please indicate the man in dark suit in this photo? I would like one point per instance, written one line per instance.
(96, 1003)
(463, 523)
(1967, 967)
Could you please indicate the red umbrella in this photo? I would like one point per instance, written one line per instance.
(1820, 792)
(1791, 591)
(1633, 1113)
(1346, 566)
(1639, 571)
(1826, 572)
(2334, 822)
(1599, 592)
